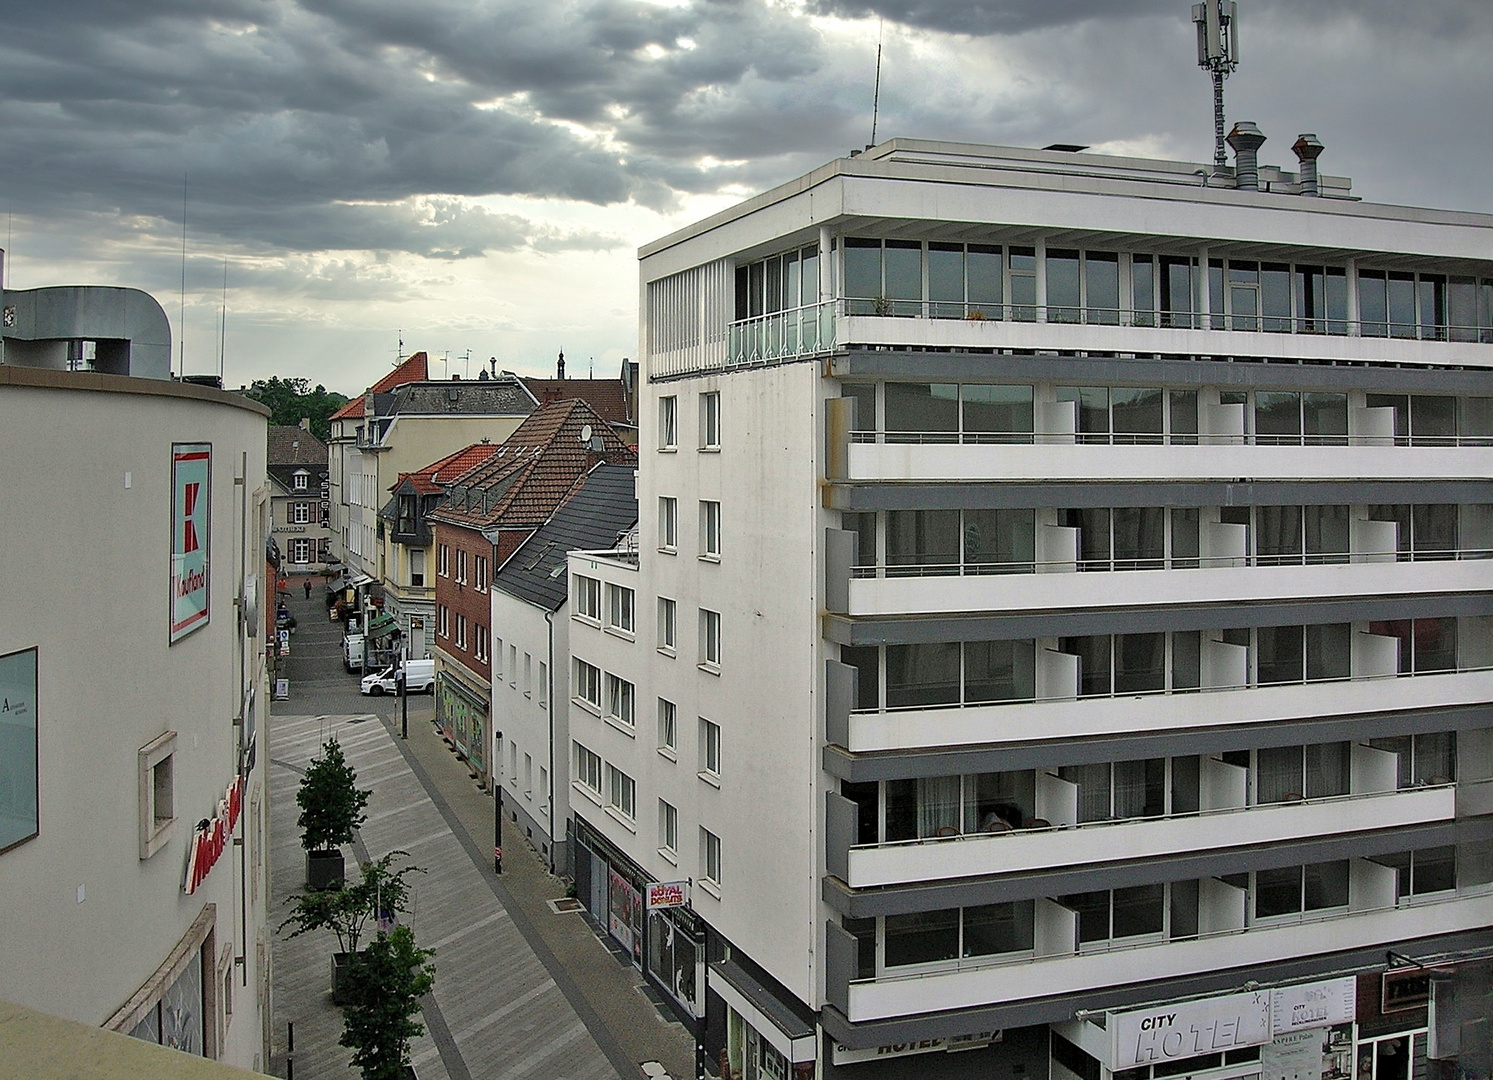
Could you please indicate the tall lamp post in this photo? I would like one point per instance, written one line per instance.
(497, 820)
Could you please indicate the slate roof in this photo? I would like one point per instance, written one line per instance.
(290, 445)
(534, 471)
(503, 396)
(413, 369)
(603, 509)
(607, 396)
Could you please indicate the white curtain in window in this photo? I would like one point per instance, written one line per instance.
(938, 806)
(1278, 774)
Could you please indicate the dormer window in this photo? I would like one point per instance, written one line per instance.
(300, 481)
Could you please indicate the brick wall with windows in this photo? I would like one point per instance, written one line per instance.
(467, 636)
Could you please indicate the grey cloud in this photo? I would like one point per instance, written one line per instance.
(985, 17)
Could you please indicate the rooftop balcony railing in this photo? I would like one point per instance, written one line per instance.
(1122, 438)
(782, 335)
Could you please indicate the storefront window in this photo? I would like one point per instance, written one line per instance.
(672, 959)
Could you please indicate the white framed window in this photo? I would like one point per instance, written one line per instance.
(587, 769)
(300, 481)
(710, 639)
(481, 585)
(668, 729)
(461, 567)
(622, 793)
(443, 560)
(588, 684)
(417, 568)
(710, 749)
(668, 423)
(587, 594)
(483, 641)
(620, 608)
(621, 700)
(156, 774)
(461, 631)
(668, 828)
(300, 513)
(443, 620)
(300, 551)
(667, 629)
(668, 524)
(710, 529)
(710, 421)
(710, 858)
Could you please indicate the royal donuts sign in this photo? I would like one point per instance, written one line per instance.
(210, 838)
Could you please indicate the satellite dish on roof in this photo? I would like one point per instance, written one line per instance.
(585, 433)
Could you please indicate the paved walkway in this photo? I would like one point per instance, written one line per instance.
(520, 991)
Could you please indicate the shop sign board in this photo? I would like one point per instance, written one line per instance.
(1187, 1029)
(666, 894)
(1313, 1005)
(191, 530)
(210, 838)
(843, 1055)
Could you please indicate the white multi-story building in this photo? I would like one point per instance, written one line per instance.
(1061, 605)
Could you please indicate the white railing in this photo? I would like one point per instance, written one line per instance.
(782, 335)
(1130, 438)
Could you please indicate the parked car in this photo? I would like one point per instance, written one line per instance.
(421, 674)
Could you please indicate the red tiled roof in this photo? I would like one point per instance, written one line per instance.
(608, 397)
(535, 470)
(432, 478)
(411, 370)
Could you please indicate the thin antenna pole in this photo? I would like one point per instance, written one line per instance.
(181, 329)
(223, 327)
(9, 253)
(876, 93)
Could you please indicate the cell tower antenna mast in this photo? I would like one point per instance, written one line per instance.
(1218, 54)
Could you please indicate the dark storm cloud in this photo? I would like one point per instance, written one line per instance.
(985, 17)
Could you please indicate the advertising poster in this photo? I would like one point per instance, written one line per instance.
(191, 475)
(18, 763)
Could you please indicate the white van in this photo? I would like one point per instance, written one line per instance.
(352, 651)
(421, 679)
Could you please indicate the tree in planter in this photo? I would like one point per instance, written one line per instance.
(384, 987)
(331, 809)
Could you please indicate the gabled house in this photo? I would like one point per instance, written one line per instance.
(531, 610)
(299, 497)
(488, 513)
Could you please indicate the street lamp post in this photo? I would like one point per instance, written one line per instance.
(404, 692)
(497, 819)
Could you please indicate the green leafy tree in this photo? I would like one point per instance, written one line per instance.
(382, 996)
(346, 908)
(291, 399)
(331, 802)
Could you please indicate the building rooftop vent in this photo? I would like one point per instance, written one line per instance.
(1246, 139)
(1308, 148)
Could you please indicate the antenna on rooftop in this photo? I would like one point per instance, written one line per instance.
(399, 354)
(1218, 53)
(876, 93)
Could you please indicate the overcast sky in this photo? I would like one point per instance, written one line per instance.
(478, 174)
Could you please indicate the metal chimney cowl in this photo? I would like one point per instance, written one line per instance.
(1246, 139)
(1308, 148)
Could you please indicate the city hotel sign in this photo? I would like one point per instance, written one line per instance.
(191, 492)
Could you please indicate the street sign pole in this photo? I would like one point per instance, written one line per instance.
(497, 827)
(404, 695)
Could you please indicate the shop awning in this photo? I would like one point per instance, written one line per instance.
(785, 1031)
(381, 625)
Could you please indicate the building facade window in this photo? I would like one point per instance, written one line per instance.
(710, 529)
(461, 567)
(299, 550)
(621, 700)
(668, 423)
(710, 639)
(588, 684)
(668, 733)
(300, 481)
(417, 568)
(481, 570)
(668, 828)
(443, 560)
(587, 592)
(667, 629)
(483, 644)
(300, 513)
(668, 524)
(710, 421)
(710, 858)
(620, 608)
(460, 637)
(622, 793)
(443, 620)
(710, 749)
(587, 769)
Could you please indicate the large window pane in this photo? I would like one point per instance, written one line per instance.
(901, 810)
(997, 413)
(1433, 870)
(928, 539)
(1137, 414)
(864, 396)
(1435, 645)
(904, 276)
(1329, 651)
(866, 659)
(1186, 660)
(1093, 535)
(1373, 304)
(1178, 291)
(1022, 264)
(1093, 410)
(995, 802)
(998, 928)
(1326, 885)
(999, 671)
(1401, 305)
(983, 281)
(1093, 663)
(922, 412)
(946, 281)
(1280, 654)
(1328, 769)
(864, 527)
(1140, 663)
(1062, 286)
(1433, 420)
(1433, 530)
(1102, 270)
(1186, 548)
(1337, 300)
(1140, 788)
(862, 271)
(1277, 417)
(1327, 536)
(1325, 418)
(939, 806)
(1275, 297)
(1278, 536)
(1139, 910)
(1278, 774)
(1093, 915)
(1143, 289)
(1094, 795)
(1139, 537)
(1277, 892)
(926, 674)
(999, 540)
(1435, 757)
(921, 937)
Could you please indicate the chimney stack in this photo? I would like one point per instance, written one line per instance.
(1308, 147)
(305, 424)
(1246, 139)
(560, 367)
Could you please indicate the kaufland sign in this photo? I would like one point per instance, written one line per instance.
(191, 476)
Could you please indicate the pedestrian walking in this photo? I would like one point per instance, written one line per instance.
(307, 585)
